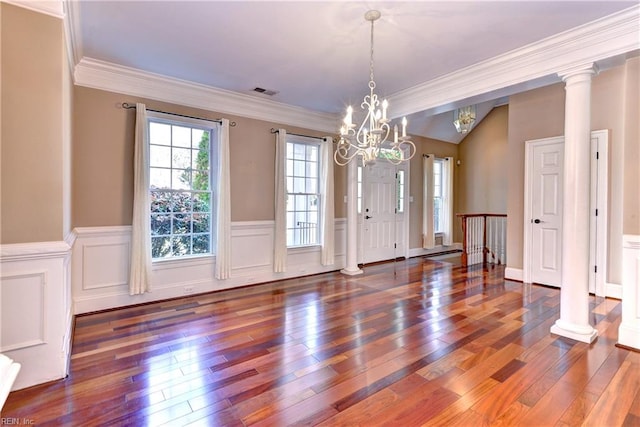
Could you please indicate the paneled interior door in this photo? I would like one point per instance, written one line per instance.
(546, 212)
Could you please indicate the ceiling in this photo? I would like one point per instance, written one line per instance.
(315, 55)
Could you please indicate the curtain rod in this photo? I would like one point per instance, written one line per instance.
(436, 157)
(128, 106)
(274, 130)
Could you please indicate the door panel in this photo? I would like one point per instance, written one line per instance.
(546, 220)
(383, 229)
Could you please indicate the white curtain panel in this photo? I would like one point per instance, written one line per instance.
(428, 233)
(140, 267)
(280, 236)
(327, 214)
(447, 203)
(223, 213)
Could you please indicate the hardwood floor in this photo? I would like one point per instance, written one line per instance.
(434, 344)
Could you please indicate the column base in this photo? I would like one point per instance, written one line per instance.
(580, 333)
(351, 272)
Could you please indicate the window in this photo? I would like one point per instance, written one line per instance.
(359, 189)
(180, 159)
(400, 191)
(303, 192)
(438, 216)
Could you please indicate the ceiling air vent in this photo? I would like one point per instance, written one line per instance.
(265, 91)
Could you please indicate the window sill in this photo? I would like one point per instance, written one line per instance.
(187, 261)
(304, 249)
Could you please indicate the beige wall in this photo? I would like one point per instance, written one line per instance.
(631, 179)
(103, 160)
(32, 126)
(539, 114)
(439, 149)
(534, 114)
(482, 174)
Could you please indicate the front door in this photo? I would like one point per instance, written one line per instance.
(383, 216)
(546, 211)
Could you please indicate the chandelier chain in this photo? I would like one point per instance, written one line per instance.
(371, 59)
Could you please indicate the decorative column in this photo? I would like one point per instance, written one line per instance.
(352, 220)
(574, 290)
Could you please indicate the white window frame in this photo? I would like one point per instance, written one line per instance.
(292, 223)
(206, 126)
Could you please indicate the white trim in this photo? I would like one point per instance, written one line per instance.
(535, 64)
(511, 273)
(28, 251)
(73, 32)
(629, 330)
(598, 226)
(48, 7)
(111, 77)
(414, 252)
(613, 290)
(102, 231)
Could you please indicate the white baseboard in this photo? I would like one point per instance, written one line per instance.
(511, 273)
(613, 290)
(414, 252)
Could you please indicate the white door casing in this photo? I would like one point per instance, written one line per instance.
(598, 237)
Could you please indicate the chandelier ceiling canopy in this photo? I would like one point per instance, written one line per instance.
(370, 139)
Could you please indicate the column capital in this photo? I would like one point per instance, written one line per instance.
(589, 69)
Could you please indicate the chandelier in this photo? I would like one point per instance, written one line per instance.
(370, 139)
(464, 118)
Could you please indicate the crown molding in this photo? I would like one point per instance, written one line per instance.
(130, 81)
(48, 7)
(72, 31)
(604, 38)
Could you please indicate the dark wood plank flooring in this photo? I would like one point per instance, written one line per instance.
(429, 344)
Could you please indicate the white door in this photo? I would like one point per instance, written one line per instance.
(543, 212)
(383, 229)
(545, 220)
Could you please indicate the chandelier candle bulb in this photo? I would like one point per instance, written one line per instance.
(395, 134)
(348, 119)
(404, 127)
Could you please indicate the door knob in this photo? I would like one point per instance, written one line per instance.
(537, 221)
(367, 217)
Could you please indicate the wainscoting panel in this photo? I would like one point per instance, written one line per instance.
(629, 331)
(101, 274)
(19, 292)
(35, 307)
(100, 266)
